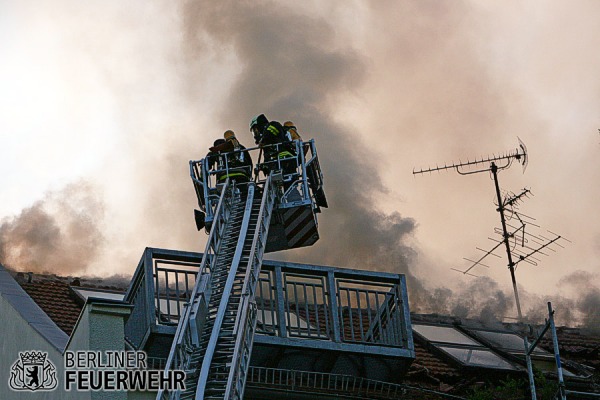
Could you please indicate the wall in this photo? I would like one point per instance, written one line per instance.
(16, 335)
(100, 328)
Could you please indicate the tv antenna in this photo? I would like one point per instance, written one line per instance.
(520, 246)
(464, 168)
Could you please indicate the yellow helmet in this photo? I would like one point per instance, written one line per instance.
(229, 135)
(290, 124)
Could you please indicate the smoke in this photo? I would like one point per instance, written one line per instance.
(485, 300)
(482, 298)
(287, 64)
(587, 302)
(60, 233)
(297, 67)
(381, 86)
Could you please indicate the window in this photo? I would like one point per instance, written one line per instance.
(513, 344)
(509, 342)
(461, 347)
(445, 334)
(477, 357)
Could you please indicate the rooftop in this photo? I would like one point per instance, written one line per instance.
(62, 299)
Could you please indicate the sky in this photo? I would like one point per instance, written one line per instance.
(104, 103)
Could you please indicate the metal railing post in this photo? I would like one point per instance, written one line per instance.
(333, 307)
(280, 306)
(529, 369)
(561, 382)
(150, 289)
(406, 324)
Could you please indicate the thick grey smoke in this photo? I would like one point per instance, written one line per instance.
(484, 299)
(423, 72)
(586, 305)
(295, 67)
(59, 234)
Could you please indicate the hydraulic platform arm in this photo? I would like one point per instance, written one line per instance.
(215, 335)
(187, 335)
(246, 218)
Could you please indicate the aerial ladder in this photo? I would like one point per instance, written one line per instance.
(275, 211)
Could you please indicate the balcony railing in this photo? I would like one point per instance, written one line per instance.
(302, 175)
(160, 288)
(294, 302)
(348, 386)
(333, 305)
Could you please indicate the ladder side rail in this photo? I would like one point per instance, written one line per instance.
(238, 373)
(245, 324)
(222, 212)
(177, 359)
(214, 336)
(264, 212)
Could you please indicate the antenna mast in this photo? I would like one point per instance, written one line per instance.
(497, 163)
(511, 264)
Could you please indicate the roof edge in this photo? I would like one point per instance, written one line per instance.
(16, 296)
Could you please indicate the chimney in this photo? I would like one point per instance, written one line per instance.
(20, 277)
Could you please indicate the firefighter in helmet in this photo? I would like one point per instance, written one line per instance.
(292, 131)
(236, 161)
(271, 136)
(293, 135)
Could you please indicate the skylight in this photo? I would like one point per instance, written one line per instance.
(461, 347)
(477, 357)
(444, 334)
(510, 342)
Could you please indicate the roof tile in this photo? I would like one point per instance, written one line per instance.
(57, 300)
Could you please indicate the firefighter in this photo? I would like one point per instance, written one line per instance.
(271, 136)
(237, 163)
(215, 162)
(294, 136)
(291, 130)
